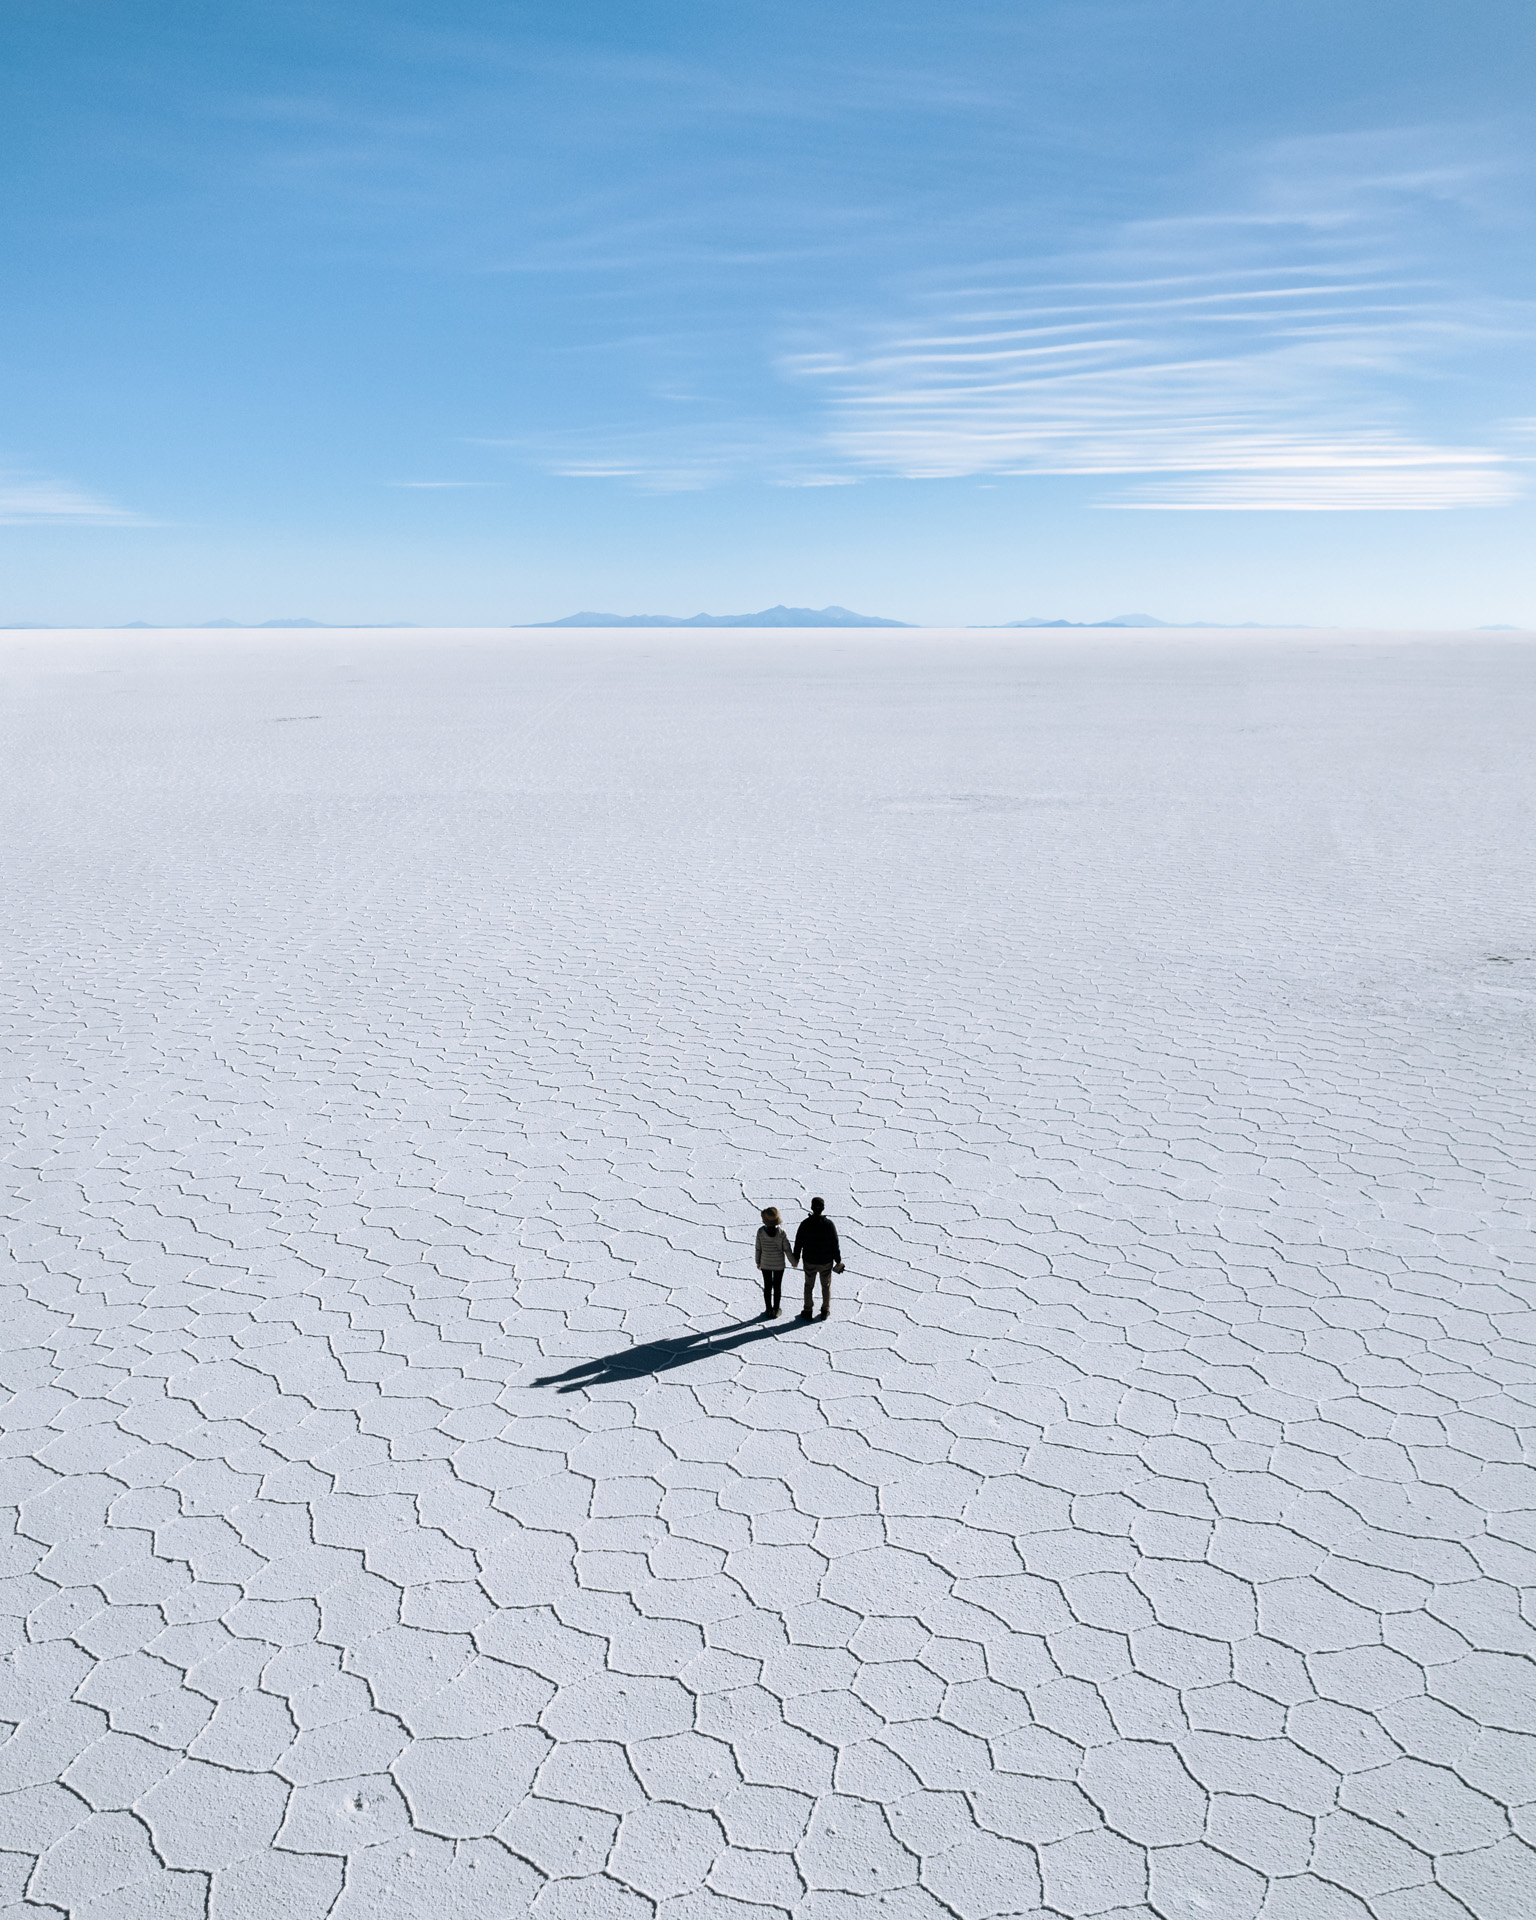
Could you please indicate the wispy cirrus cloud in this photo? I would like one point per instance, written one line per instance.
(28, 500)
(1290, 346)
(1269, 356)
(1290, 377)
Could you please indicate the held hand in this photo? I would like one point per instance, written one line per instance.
(838, 1268)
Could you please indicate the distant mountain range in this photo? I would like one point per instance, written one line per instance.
(1133, 620)
(1120, 620)
(842, 617)
(769, 617)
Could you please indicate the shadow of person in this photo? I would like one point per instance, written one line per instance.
(660, 1356)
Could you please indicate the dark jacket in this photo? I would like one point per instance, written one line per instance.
(816, 1242)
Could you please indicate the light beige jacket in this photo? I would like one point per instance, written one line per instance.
(774, 1250)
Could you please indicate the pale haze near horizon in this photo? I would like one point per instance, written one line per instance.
(477, 315)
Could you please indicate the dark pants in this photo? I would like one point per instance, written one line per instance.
(773, 1283)
(824, 1275)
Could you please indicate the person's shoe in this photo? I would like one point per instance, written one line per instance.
(773, 1313)
(803, 1315)
(825, 1312)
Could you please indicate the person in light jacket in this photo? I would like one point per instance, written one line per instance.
(817, 1251)
(773, 1252)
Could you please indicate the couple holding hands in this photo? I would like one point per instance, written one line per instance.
(815, 1249)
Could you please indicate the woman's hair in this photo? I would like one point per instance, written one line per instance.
(770, 1216)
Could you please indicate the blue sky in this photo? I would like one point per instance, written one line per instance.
(954, 312)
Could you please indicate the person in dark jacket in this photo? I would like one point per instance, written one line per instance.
(818, 1255)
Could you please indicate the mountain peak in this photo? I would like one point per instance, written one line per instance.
(780, 616)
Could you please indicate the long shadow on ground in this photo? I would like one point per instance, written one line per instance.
(659, 1356)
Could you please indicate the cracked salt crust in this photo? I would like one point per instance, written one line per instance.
(407, 1513)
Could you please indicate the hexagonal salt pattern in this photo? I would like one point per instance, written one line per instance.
(408, 1515)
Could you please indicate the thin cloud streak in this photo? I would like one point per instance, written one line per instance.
(30, 501)
(1413, 490)
(685, 459)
